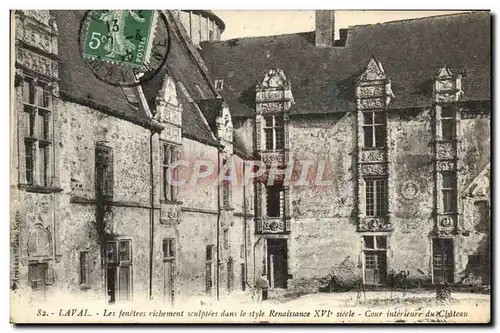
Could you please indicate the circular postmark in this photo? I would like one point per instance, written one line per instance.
(124, 47)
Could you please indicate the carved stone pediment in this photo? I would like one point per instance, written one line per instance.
(447, 86)
(168, 108)
(373, 87)
(274, 78)
(374, 224)
(224, 125)
(373, 72)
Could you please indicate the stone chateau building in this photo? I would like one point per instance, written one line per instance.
(398, 114)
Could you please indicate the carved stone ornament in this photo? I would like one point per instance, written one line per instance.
(271, 107)
(446, 222)
(372, 103)
(273, 158)
(445, 151)
(409, 189)
(36, 63)
(39, 241)
(446, 166)
(374, 224)
(167, 102)
(480, 186)
(371, 156)
(370, 91)
(42, 16)
(374, 71)
(378, 169)
(270, 95)
(274, 78)
(447, 87)
(272, 226)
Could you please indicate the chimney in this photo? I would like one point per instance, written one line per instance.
(325, 28)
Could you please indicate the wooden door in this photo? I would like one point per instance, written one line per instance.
(375, 267)
(38, 275)
(277, 263)
(168, 281)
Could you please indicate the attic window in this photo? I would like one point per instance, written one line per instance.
(219, 84)
(202, 94)
(131, 96)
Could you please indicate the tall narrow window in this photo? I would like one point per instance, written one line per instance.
(219, 84)
(208, 268)
(275, 199)
(84, 268)
(447, 123)
(226, 188)
(374, 129)
(167, 160)
(449, 191)
(168, 248)
(104, 171)
(43, 167)
(226, 238)
(274, 132)
(376, 197)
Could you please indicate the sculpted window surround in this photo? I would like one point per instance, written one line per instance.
(374, 129)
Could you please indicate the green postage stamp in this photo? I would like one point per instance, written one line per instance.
(120, 36)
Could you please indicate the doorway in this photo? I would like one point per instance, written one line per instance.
(443, 260)
(277, 263)
(37, 274)
(168, 281)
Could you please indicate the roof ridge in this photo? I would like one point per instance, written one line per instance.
(419, 18)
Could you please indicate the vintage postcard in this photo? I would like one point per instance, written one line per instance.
(198, 166)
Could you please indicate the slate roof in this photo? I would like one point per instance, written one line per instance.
(181, 66)
(322, 80)
(77, 82)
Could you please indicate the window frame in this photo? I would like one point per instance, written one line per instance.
(37, 104)
(280, 197)
(278, 141)
(84, 268)
(452, 191)
(375, 197)
(219, 84)
(375, 242)
(171, 252)
(118, 264)
(104, 177)
(451, 119)
(168, 191)
(375, 126)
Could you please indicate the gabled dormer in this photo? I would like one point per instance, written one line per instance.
(169, 111)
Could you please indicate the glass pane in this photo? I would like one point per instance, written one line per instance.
(280, 142)
(447, 112)
(273, 201)
(447, 129)
(29, 162)
(42, 156)
(448, 180)
(380, 197)
(124, 283)
(370, 198)
(381, 242)
(379, 117)
(448, 201)
(209, 253)
(279, 122)
(380, 136)
(368, 242)
(368, 118)
(368, 136)
(111, 252)
(29, 120)
(269, 138)
(125, 251)
(268, 121)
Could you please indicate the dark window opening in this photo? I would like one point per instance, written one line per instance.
(168, 248)
(104, 172)
(275, 199)
(374, 129)
(448, 191)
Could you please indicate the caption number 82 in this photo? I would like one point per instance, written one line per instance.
(96, 39)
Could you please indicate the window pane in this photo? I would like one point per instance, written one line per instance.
(448, 180)
(370, 198)
(368, 136)
(124, 283)
(368, 117)
(209, 254)
(42, 157)
(28, 146)
(380, 136)
(168, 248)
(279, 122)
(268, 121)
(447, 128)
(273, 201)
(381, 242)
(111, 252)
(44, 95)
(447, 112)
(379, 117)
(448, 201)
(83, 267)
(125, 251)
(104, 171)
(269, 138)
(280, 142)
(29, 120)
(368, 242)
(380, 197)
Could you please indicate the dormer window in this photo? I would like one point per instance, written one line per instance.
(131, 96)
(219, 84)
(447, 123)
